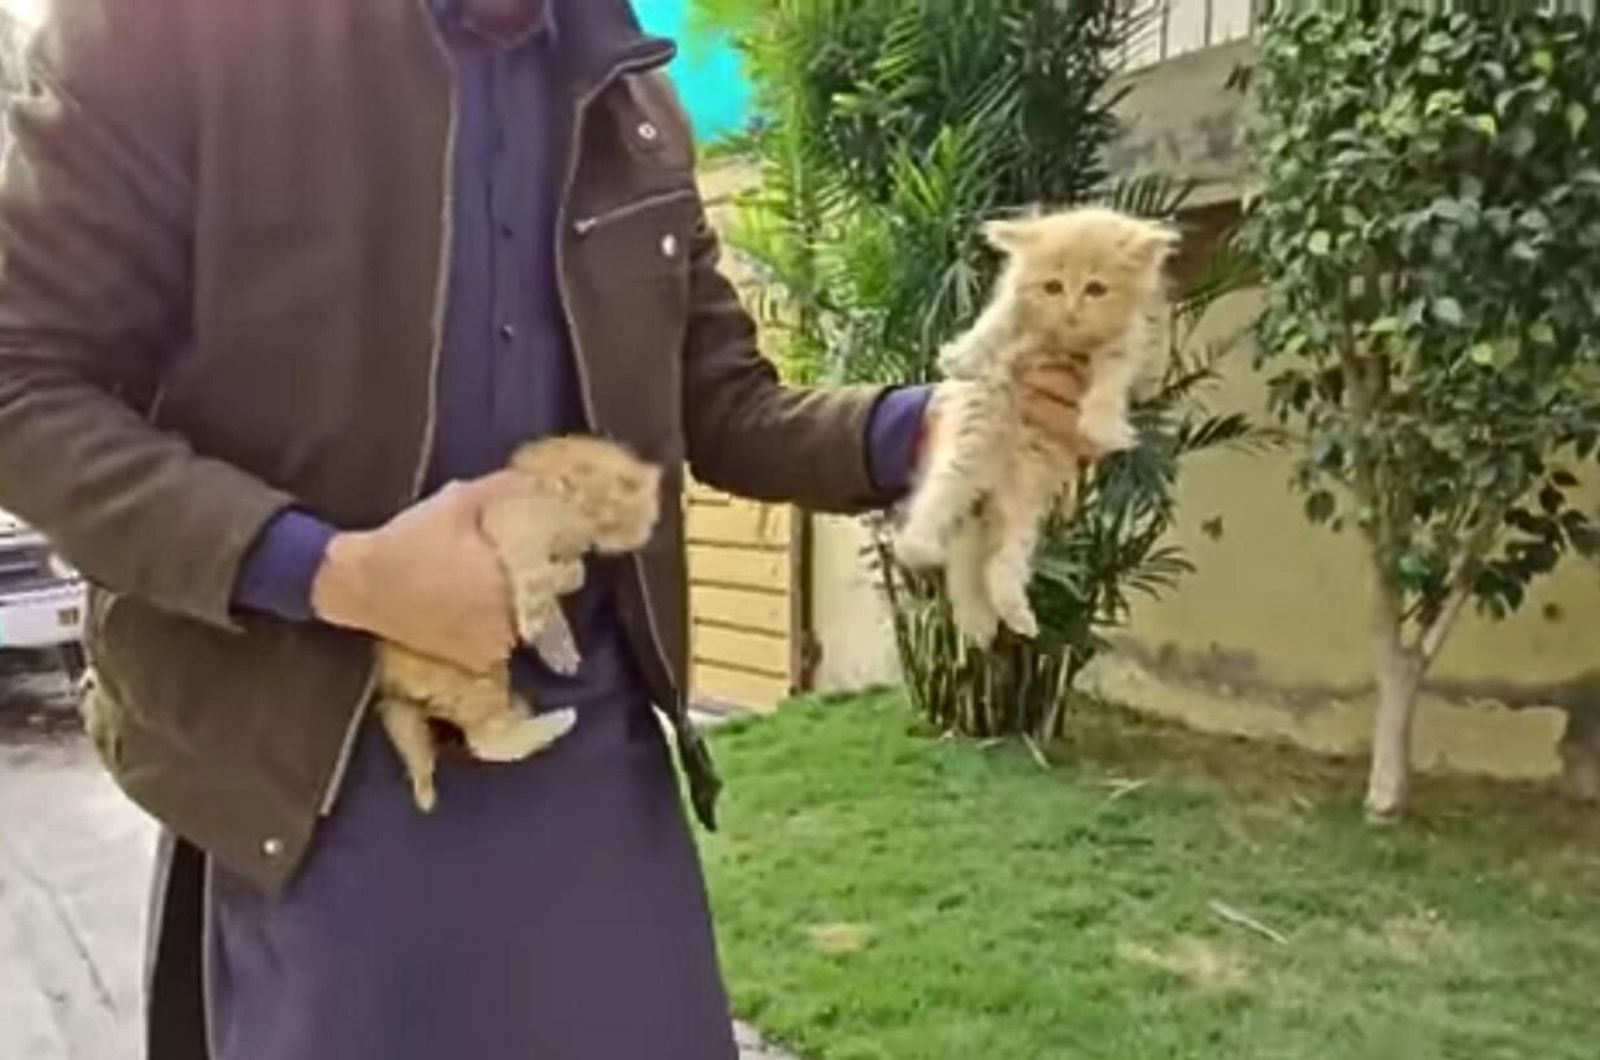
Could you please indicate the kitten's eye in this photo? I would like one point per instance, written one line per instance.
(1094, 289)
(1053, 287)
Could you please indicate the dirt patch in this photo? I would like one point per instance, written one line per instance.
(837, 940)
(1419, 938)
(1279, 778)
(1205, 966)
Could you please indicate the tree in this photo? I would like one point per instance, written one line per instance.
(1426, 233)
(890, 131)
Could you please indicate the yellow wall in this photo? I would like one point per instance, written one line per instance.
(740, 599)
(1269, 637)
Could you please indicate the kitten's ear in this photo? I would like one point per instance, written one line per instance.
(1011, 235)
(1155, 243)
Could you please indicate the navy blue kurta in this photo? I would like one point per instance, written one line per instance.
(549, 909)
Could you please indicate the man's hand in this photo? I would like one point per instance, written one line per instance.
(428, 580)
(1050, 397)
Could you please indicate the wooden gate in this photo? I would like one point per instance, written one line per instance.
(746, 560)
(742, 600)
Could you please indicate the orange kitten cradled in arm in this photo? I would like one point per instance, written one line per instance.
(575, 495)
(1077, 293)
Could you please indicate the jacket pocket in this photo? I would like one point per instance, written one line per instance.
(639, 249)
(589, 224)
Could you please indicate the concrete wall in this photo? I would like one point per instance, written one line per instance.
(1181, 118)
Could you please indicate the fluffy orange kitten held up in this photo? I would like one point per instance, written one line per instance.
(1078, 291)
(577, 495)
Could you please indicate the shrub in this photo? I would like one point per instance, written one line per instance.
(1426, 232)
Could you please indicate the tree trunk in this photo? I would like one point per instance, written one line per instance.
(1399, 674)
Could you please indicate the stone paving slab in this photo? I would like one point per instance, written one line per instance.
(74, 872)
(74, 867)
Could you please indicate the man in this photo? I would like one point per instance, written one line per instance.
(270, 272)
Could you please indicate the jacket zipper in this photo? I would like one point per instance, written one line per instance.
(584, 226)
(430, 424)
(584, 385)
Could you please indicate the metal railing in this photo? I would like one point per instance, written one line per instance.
(1170, 28)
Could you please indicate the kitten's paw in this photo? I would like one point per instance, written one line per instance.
(569, 577)
(424, 793)
(1021, 621)
(1008, 592)
(976, 620)
(919, 551)
(1116, 436)
(518, 738)
(556, 648)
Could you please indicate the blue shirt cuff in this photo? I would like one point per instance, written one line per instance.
(892, 436)
(278, 572)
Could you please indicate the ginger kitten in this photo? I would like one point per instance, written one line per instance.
(1077, 292)
(577, 495)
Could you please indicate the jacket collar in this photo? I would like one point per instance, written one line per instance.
(600, 36)
(596, 38)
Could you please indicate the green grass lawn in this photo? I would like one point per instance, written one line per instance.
(881, 893)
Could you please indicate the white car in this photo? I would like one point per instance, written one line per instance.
(42, 599)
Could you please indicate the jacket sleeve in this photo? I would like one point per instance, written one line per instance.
(751, 435)
(280, 570)
(96, 220)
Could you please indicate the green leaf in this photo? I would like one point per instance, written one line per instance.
(1483, 353)
(1577, 118)
(1448, 311)
(1486, 124)
(1542, 333)
(1544, 62)
(1320, 243)
(1320, 506)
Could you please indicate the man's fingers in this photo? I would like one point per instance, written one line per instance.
(492, 487)
(1059, 383)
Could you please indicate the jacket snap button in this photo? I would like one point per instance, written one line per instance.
(272, 847)
(669, 245)
(648, 131)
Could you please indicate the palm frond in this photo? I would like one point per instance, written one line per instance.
(1157, 196)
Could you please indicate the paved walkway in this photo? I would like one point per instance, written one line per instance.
(74, 866)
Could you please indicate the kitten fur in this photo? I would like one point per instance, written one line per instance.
(576, 495)
(1078, 292)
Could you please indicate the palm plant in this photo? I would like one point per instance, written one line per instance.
(890, 130)
(1088, 571)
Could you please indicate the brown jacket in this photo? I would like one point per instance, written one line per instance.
(222, 239)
